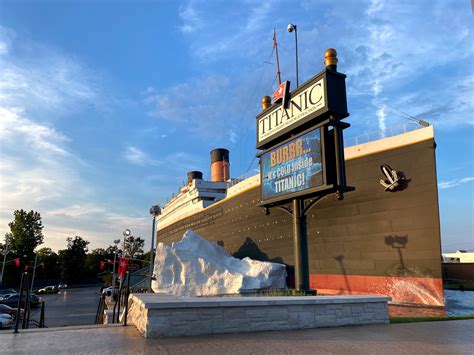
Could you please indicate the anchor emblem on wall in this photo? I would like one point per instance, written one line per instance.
(395, 180)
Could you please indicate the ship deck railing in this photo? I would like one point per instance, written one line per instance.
(366, 137)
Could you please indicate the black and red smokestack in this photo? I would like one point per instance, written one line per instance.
(220, 167)
(193, 175)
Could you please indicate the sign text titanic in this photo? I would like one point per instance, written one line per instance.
(299, 107)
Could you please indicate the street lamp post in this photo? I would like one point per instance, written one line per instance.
(116, 242)
(34, 273)
(5, 252)
(126, 233)
(291, 28)
(155, 211)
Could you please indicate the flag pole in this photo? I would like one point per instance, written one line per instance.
(113, 272)
(34, 272)
(275, 45)
(5, 252)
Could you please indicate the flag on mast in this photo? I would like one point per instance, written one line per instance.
(281, 92)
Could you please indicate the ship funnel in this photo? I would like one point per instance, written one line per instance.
(192, 175)
(220, 167)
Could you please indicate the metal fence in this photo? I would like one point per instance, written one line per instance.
(385, 133)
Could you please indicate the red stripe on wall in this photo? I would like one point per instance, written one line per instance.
(415, 290)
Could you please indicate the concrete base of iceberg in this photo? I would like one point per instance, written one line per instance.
(157, 315)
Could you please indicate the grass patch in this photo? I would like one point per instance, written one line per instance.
(397, 320)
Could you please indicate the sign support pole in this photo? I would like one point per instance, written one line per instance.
(285, 175)
(300, 246)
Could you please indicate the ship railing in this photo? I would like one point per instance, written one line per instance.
(242, 177)
(352, 141)
(384, 133)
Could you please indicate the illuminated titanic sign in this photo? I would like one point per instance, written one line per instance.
(300, 106)
(292, 168)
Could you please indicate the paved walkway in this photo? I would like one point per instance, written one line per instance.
(453, 337)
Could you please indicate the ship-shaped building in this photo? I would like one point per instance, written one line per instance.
(383, 238)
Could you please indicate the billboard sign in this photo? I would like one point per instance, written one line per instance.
(309, 104)
(300, 106)
(293, 167)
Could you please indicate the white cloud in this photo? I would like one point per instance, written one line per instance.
(381, 117)
(190, 17)
(14, 126)
(198, 105)
(455, 182)
(235, 32)
(136, 156)
(39, 170)
(96, 224)
(6, 37)
(55, 85)
(374, 7)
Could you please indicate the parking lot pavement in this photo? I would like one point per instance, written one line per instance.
(73, 306)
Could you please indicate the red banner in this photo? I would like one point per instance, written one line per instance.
(17, 262)
(123, 263)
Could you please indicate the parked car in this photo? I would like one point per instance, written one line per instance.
(7, 296)
(4, 309)
(108, 291)
(6, 321)
(62, 285)
(6, 291)
(48, 289)
(12, 300)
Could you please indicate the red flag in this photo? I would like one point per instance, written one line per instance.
(101, 265)
(17, 262)
(281, 92)
(123, 263)
(25, 268)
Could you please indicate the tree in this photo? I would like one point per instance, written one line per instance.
(133, 246)
(26, 233)
(111, 249)
(72, 259)
(93, 260)
(48, 264)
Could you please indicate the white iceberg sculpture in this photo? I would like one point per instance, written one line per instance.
(197, 267)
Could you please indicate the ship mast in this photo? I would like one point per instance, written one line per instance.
(275, 45)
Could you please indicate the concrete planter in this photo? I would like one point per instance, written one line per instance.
(157, 315)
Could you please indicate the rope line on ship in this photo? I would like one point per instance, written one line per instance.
(381, 105)
(238, 142)
(384, 105)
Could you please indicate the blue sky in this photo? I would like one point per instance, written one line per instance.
(105, 105)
